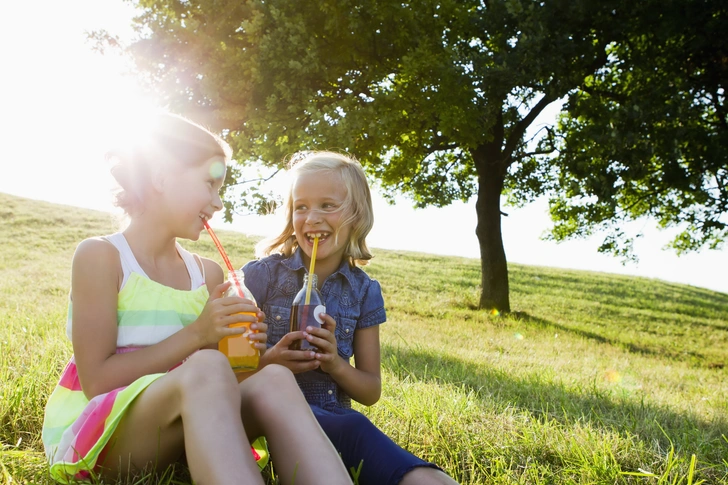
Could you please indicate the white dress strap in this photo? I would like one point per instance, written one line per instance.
(197, 276)
(129, 264)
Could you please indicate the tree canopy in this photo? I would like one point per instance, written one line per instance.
(434, 97)
(647, 134)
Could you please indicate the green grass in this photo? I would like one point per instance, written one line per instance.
(594, 378)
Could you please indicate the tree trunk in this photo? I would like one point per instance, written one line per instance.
(493, 264)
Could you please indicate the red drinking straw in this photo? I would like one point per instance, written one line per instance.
(224, 257)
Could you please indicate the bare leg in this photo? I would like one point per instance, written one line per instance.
(196, 409)
(273, 406)
(427, 476)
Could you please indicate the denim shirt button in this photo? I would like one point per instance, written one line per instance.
(278, 317)
(347, 330)
(330, 391)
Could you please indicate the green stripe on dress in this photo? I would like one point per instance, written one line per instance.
(147, 318)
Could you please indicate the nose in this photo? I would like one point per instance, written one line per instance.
(216, 202)
(313, 217)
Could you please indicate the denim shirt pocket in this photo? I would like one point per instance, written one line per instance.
(345, 328)
(278, 320)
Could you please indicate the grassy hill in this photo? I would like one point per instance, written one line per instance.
(594, 378)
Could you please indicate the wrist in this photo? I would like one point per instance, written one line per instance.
(337, 367)
(264, 359)
(197, 335)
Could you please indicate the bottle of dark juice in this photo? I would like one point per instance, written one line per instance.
(305, 314)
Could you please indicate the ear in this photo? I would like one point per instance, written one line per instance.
(158, 179)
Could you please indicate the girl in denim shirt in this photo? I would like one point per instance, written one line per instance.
(329, 198)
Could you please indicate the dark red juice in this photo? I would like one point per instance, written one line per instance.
(303, 316)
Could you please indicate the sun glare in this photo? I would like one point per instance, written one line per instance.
(97, 106)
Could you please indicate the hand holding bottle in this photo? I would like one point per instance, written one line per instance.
(324, 339)
(219, 312)
(296, 361)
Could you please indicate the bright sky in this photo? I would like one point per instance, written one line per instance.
(63, 105)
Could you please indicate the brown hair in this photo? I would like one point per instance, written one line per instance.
(171, 139)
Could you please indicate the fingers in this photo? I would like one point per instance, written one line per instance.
(289, 338)
(218, 291)
(325, 337)
(324, 345)
(329, 322)
(243, 312)
(258, 337)
(296, 361)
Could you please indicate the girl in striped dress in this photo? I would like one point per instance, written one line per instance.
(146, 385)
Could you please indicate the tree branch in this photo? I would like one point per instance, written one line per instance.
(519, 130)
(260, 179)
(539, 152)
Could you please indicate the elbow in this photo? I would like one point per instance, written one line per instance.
(90, 392)
(373, 396)
(370, 402)
(92, 388)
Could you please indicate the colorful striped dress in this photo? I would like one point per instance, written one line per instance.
(76, 430)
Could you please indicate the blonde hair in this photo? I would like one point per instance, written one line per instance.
(170, 139)
(357, 206)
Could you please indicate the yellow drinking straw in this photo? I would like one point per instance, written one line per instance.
(310, 271)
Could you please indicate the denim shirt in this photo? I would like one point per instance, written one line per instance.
(351, 297)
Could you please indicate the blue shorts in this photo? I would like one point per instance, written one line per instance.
(359, 442)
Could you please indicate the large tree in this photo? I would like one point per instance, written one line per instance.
(434, 97)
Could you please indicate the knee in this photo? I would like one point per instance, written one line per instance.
(272, 382)
(207, 371)
(356, 424)
(350, 426)
(274, 374)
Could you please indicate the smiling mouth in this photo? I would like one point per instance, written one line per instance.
(322, 236)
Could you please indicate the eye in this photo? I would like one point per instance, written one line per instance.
(299, 208)
(329, 206)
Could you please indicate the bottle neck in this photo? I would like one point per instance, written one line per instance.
(313, 277)
(236, 275)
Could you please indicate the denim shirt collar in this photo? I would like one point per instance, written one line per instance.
(295, 263)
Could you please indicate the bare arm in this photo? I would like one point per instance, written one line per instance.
(363, 382)
(213, 276)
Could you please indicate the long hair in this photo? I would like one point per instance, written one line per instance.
(170, 139)
(357, 207)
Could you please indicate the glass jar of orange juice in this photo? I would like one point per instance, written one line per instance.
(241, 353)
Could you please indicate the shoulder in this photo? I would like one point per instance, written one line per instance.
(94, 261)
(360, 279)
(370, 296)
(272, 259)
(96, 251)
(214, 274)
(263, 266)
(257, 274)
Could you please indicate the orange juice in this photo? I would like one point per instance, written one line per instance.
(239, 350)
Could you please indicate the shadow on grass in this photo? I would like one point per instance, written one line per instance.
(628, 346)
(625, 413)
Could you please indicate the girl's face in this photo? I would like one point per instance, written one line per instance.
(192, 196)
(317, 199)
